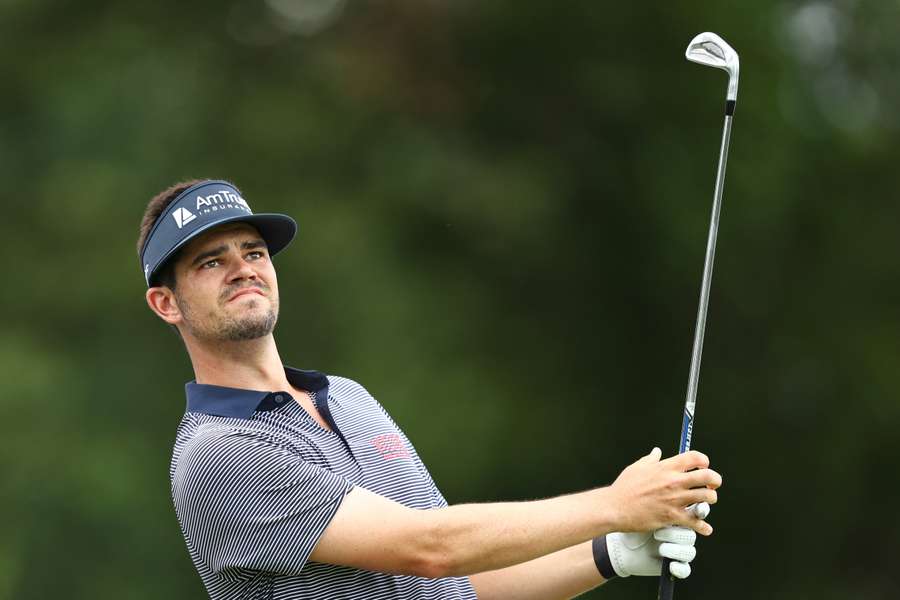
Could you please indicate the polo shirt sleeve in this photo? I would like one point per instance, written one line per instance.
(245, 500)
(437, 498)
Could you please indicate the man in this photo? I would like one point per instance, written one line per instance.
(293, 484)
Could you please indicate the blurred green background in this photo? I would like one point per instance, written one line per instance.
(503, 211)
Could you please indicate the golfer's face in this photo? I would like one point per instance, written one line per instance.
(225, 279)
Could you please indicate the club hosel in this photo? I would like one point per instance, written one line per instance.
(733, 76)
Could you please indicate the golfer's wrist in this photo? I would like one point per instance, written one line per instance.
(608, 511)
(604, 515)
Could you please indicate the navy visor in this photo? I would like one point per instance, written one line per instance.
(199, 208)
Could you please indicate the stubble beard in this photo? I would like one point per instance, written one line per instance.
(223, 327)
(249, 327)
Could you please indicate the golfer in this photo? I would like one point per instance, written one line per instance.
(293, 484)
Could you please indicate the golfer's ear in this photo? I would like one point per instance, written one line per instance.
(162, 301)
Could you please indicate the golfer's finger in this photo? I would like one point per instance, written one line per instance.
(701, 510)
(691, 459)
(687, 519)
(703, 478)
(679, 569)
(675, 535)
(696, 496)
(654, 456)
(677, 552)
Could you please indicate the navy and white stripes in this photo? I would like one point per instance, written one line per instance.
(255, 482)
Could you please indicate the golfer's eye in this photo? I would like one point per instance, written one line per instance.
(210, 264)
(255, 255)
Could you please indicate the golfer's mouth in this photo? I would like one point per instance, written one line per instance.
(245, 291)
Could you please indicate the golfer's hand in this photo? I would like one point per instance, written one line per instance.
(642, 553)
(651, 493)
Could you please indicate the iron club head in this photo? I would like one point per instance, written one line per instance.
(711, 50)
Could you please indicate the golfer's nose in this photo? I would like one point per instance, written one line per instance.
(242, 270)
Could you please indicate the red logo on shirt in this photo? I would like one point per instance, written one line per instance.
(390, 446)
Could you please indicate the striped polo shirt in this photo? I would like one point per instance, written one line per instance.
(255, 482)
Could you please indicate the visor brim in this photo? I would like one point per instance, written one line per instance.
(277, 230)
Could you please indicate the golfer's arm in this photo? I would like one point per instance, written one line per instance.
(557, 576)
(373, 533)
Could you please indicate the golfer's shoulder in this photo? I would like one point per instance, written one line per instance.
(348, 390)
(216, 446)
(354, 396)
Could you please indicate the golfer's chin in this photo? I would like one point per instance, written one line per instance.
(250, 325)
(246, 305)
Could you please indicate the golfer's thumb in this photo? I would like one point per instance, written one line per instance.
(653, 457)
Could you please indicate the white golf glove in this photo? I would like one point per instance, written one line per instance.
(642, 553)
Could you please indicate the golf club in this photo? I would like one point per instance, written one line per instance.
(710, 50)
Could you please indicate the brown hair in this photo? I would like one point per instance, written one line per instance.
(155, 208)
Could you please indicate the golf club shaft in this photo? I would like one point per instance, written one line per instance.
(666, 581)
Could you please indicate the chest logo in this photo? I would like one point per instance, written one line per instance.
(390, 446)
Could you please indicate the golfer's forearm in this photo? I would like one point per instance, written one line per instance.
(471, 538)
(558, 576)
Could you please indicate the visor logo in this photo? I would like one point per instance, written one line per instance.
(222, 200)
(182, 217)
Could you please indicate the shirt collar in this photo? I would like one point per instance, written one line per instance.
(241, 403)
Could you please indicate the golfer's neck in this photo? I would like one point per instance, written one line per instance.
(251, 364)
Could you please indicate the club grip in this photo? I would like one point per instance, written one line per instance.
(666, 582)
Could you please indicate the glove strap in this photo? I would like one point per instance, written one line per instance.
(601, 558)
